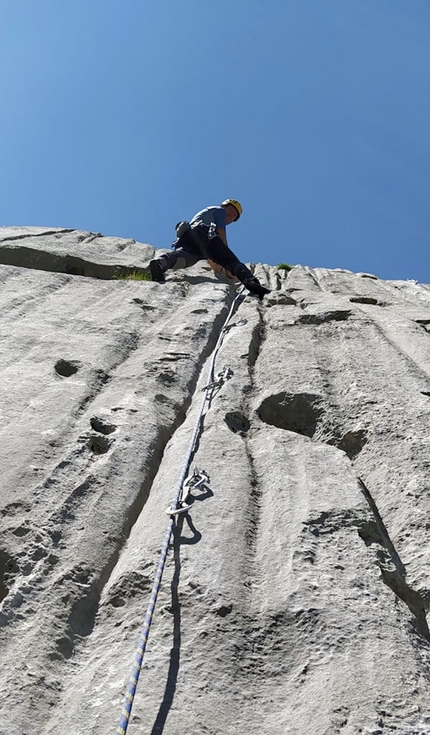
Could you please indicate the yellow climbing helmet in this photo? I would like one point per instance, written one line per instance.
(235, 204)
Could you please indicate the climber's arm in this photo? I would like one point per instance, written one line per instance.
(220, 231)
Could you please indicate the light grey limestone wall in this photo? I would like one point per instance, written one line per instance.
(296, 593)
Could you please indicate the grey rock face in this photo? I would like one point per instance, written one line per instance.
(296, 591)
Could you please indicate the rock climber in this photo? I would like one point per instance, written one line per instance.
(204, 238)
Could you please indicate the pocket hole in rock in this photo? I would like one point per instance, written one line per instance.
(8, 570)
(102, 426)
(224, 610)
(236, 421)
(352, 443)
(298, 412)
(66, 368)
(64, 648)
(98, 444)
(363, 300)
(83, 613)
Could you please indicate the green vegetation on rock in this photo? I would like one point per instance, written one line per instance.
(133, 276)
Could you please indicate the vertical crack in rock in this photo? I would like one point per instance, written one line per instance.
(391, 566)
(257, 339)
(254, 510)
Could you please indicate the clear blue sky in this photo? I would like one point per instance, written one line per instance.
(125, 116)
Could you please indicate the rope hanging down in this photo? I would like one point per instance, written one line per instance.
(214, 382)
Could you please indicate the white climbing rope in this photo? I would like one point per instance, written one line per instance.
(181, 492)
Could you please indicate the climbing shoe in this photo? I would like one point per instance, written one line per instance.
(255, 287)
(157, 273)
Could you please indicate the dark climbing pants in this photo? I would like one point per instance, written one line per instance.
(195, 245)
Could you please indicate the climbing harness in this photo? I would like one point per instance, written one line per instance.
(182, 491)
